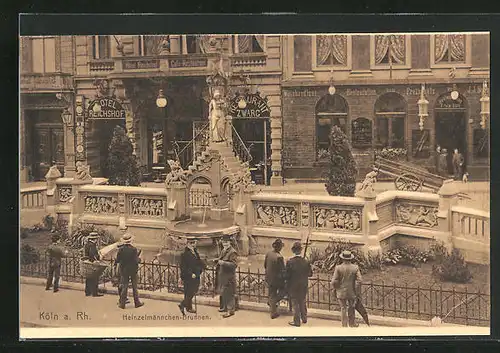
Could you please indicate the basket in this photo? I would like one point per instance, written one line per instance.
(92, 269)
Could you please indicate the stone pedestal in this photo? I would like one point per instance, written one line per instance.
(177, 201)
(76, 206)
(217, 213)
(448, 197)
(52, 175)
(369, 222)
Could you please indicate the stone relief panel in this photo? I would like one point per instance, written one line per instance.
(304, 214)
(65, 193)
(141, 206)
(101, 204)
(416, 215)
(277, 215)
(337, 219)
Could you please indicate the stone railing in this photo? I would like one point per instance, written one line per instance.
(33, 197)
(102, 65)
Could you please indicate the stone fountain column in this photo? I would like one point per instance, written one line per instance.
(176, 200)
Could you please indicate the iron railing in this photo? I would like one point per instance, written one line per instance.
(188, 154)
(384, 299)
(239, 147)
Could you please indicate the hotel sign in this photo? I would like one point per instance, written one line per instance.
(105, 108)
(249, 106)
(141, 64)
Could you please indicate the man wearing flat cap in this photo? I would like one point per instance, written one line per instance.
(274, 265)
(92, 254)
(226, 276)
(128, 260)
(298, 271)
(346, 281)
(191, 268)
(55, 253)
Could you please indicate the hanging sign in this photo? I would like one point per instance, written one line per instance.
(105, 108)
(249, 106)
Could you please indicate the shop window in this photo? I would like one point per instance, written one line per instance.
(390, 115)
(249, 43)
(192, 45)
(421, 143)
(390, 49)
(449, 48)
(150, 45)
(330, 111)
(101, 47)
(331, 50)
(302, 53)
(361, 133)
(43, 51)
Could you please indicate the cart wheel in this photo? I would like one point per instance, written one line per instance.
(408, 182)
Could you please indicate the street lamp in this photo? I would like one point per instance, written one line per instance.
(485, 105)
(331, 89)
(454, 93)
(161, 101)
(423, 107)
(67, 118)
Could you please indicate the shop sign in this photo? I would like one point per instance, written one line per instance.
(141, 64)
(249, 106)
(105, 108)
(188, 62)
(446, 102)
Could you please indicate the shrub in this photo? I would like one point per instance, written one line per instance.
(373, 260)
(342, 171)
(453, 268)
(438, 251)
(48, 222)
(331, 257)
(24, 233)
(122, 167)
(406, 255)
(77, 239)
(28, 255)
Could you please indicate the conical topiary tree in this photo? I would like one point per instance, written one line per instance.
(122, 164)
(342, 171)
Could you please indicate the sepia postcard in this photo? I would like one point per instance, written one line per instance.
(254, 185)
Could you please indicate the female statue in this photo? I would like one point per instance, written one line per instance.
(217, 118)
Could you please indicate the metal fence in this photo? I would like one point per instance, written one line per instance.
(409, 302)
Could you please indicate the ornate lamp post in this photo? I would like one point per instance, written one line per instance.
(331, 89)
(485, 105)
(161, 100)
(423, 108)
(67, 119)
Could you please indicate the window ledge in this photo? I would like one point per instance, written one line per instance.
(102, 65)
(248, 59)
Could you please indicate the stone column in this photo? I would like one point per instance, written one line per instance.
(369, 221)
(69, 149)
(243, 218)
(175, 44)
(448, 197)
(276, 138)
(23, 171)
(177, 201)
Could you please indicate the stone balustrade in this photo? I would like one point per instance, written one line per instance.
(33, 197)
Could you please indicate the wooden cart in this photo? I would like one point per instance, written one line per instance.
(409, 177)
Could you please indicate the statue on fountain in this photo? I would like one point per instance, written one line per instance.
(177, 174)
(82, 172)
(217, 118)
(242, 180)
(367, 186)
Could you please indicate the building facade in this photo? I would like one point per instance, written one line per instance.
(295, 89)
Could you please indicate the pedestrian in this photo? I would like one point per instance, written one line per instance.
(118, 276)
(346, 281)
(191, 268)
(298, 271)
(274, 266)
(443, 163)
(226, 272)
(128, 260)
(92, 254)
(458, 164)
(55, 253)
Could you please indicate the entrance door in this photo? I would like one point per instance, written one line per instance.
(103, 136)
(48, 149)
(256, 134)
(451, 134)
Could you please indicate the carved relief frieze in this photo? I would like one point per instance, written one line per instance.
(65, 193)
(277, 215)
(101, 204)
(337, 219)
(149, 207)
(416, 215)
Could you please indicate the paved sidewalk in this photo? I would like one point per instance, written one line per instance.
(71, 308)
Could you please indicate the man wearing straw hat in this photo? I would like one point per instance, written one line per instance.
(92, 254)
(128, 260)
(274, 264)
(346, 280)
(56, 252)
(298, 271)
(191, 268)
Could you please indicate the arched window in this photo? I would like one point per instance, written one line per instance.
(330, 111)
(390, 117)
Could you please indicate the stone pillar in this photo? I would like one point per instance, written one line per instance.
(243, 218)
(82, 177)
(52, 175)
(448, 197)
(175, 44)
(177, 201)
(69, 150)
(23, 171)
(369, 221)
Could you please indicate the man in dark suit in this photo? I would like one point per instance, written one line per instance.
(128, 260)
(118, 275)
(226, 276)
(274, 265)
(191, 268)
(92, 254)
(55, 252)
(458, 164)
(346, 281)
(298, 271)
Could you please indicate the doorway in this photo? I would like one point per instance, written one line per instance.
(103, 134)
(451, 133)
(256, 134)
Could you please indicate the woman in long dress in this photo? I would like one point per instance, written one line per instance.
(217, 118)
